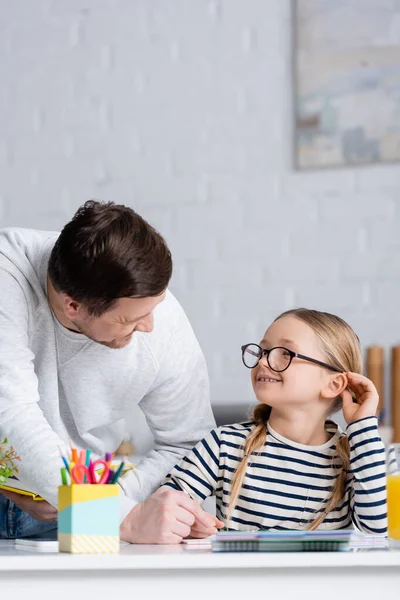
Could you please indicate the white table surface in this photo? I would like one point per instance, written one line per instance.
(175, 572)
(139, 557)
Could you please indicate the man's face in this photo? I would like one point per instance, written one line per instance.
(115, 327)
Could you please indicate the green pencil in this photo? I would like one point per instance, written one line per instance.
(64, 476)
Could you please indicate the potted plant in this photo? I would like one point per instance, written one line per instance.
(8, 461)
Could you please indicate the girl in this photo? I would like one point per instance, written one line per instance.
(290, 467)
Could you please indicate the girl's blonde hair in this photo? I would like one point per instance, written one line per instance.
(342, 349)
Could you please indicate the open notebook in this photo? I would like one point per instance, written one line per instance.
(13, 484)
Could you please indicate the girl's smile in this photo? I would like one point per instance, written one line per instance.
(266, 378)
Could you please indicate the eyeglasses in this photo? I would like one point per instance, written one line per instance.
(278, 358)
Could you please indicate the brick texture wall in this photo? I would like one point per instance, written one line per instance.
(182, 109)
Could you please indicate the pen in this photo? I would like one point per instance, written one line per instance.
(110, 476)
(65, 462)
(178, 485)
(86, 461)
(118, 473)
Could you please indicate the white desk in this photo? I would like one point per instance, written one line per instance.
(172, 572)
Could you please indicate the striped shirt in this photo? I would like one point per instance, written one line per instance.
(286, 484)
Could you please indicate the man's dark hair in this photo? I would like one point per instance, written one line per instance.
(108, 251)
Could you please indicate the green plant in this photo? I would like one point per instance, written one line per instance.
(8, 460)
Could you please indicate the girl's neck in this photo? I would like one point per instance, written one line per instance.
(299, 427)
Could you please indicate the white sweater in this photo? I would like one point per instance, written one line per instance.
(57, 385)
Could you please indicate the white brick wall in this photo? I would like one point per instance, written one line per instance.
(182, 109)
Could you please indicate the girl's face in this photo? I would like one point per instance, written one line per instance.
(303, 381)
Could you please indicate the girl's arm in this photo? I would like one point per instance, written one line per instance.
(367, 476)
(198, 473)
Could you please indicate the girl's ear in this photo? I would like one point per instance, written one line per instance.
(336, 385)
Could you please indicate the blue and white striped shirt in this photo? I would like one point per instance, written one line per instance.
(287, 484)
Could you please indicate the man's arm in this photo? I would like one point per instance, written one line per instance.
(177, 409)
(21, 419)
(179, 414)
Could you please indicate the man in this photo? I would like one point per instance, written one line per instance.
(89, 328)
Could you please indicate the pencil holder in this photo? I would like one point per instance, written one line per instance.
(88, 518)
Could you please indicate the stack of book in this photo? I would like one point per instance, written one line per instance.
(281, 541)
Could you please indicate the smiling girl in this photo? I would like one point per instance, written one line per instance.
(289, 466)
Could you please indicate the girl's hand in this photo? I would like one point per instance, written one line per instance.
(199, 531)
(366, 395)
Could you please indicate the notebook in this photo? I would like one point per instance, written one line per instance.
(37, 545)
(360, 542)
(198, 543)
(282, 541)
(13, 484)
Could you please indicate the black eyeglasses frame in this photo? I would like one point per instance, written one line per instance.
(264, 352)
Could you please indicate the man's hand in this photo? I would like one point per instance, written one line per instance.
(40, 510)
(166, 517)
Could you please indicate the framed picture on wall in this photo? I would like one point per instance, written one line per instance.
(347, 82)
